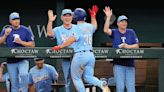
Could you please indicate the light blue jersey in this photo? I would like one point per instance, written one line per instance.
(61, 34)
(6, 79)
(83, 61)
(84, 37)
(43, 78)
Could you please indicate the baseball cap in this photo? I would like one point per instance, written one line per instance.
(14, 15)
(38, 59)
(67, 11)
(3, 64)
(122, 17)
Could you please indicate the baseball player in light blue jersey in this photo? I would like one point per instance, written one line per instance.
(5, 77)
(83, 60)
(61, 34)
(42, 76)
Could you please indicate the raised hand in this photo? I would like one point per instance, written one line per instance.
(95, 8)
(108, 11)
(93, 11)
(51, 16)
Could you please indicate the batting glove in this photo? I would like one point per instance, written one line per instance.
(56, 48)
(93, 11)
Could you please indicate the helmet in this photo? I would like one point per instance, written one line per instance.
(79, 14)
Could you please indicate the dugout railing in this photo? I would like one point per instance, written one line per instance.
(100, 53)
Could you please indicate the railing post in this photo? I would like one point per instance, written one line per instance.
(161, 75)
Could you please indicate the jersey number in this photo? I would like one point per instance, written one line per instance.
(88, 39)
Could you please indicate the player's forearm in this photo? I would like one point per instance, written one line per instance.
(133, 46)
(106, 26)
(49, 28)
(94, 22)
(28, 44)
(3, 39)
(31, 88)
(68, 42)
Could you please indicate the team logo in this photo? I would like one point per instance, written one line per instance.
(129, 51)
(62, 51)
(24, 51)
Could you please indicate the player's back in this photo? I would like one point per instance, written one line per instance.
(85, 32)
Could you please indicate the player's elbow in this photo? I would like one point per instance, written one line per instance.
(33, 44)
(50, 34)
(105, 31)
(1, 41)
(136, 46)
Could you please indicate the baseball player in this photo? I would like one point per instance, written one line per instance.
(124, 71)
(83, 60)
(61, 34)
(41, 76)
(4, 77)
(17, 36)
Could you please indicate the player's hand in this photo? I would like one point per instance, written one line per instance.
(93, 11)
(3, 65)
(1, 76)
(124, 45)
(108, 11)
(7, 31)
(1, 71)
(18, 40)
(52, 37)
(51, 16)
(121, 45)
(56, 48)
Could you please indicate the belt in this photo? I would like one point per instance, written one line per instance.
(84, 51)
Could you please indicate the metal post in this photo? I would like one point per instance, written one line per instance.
(161, 75)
